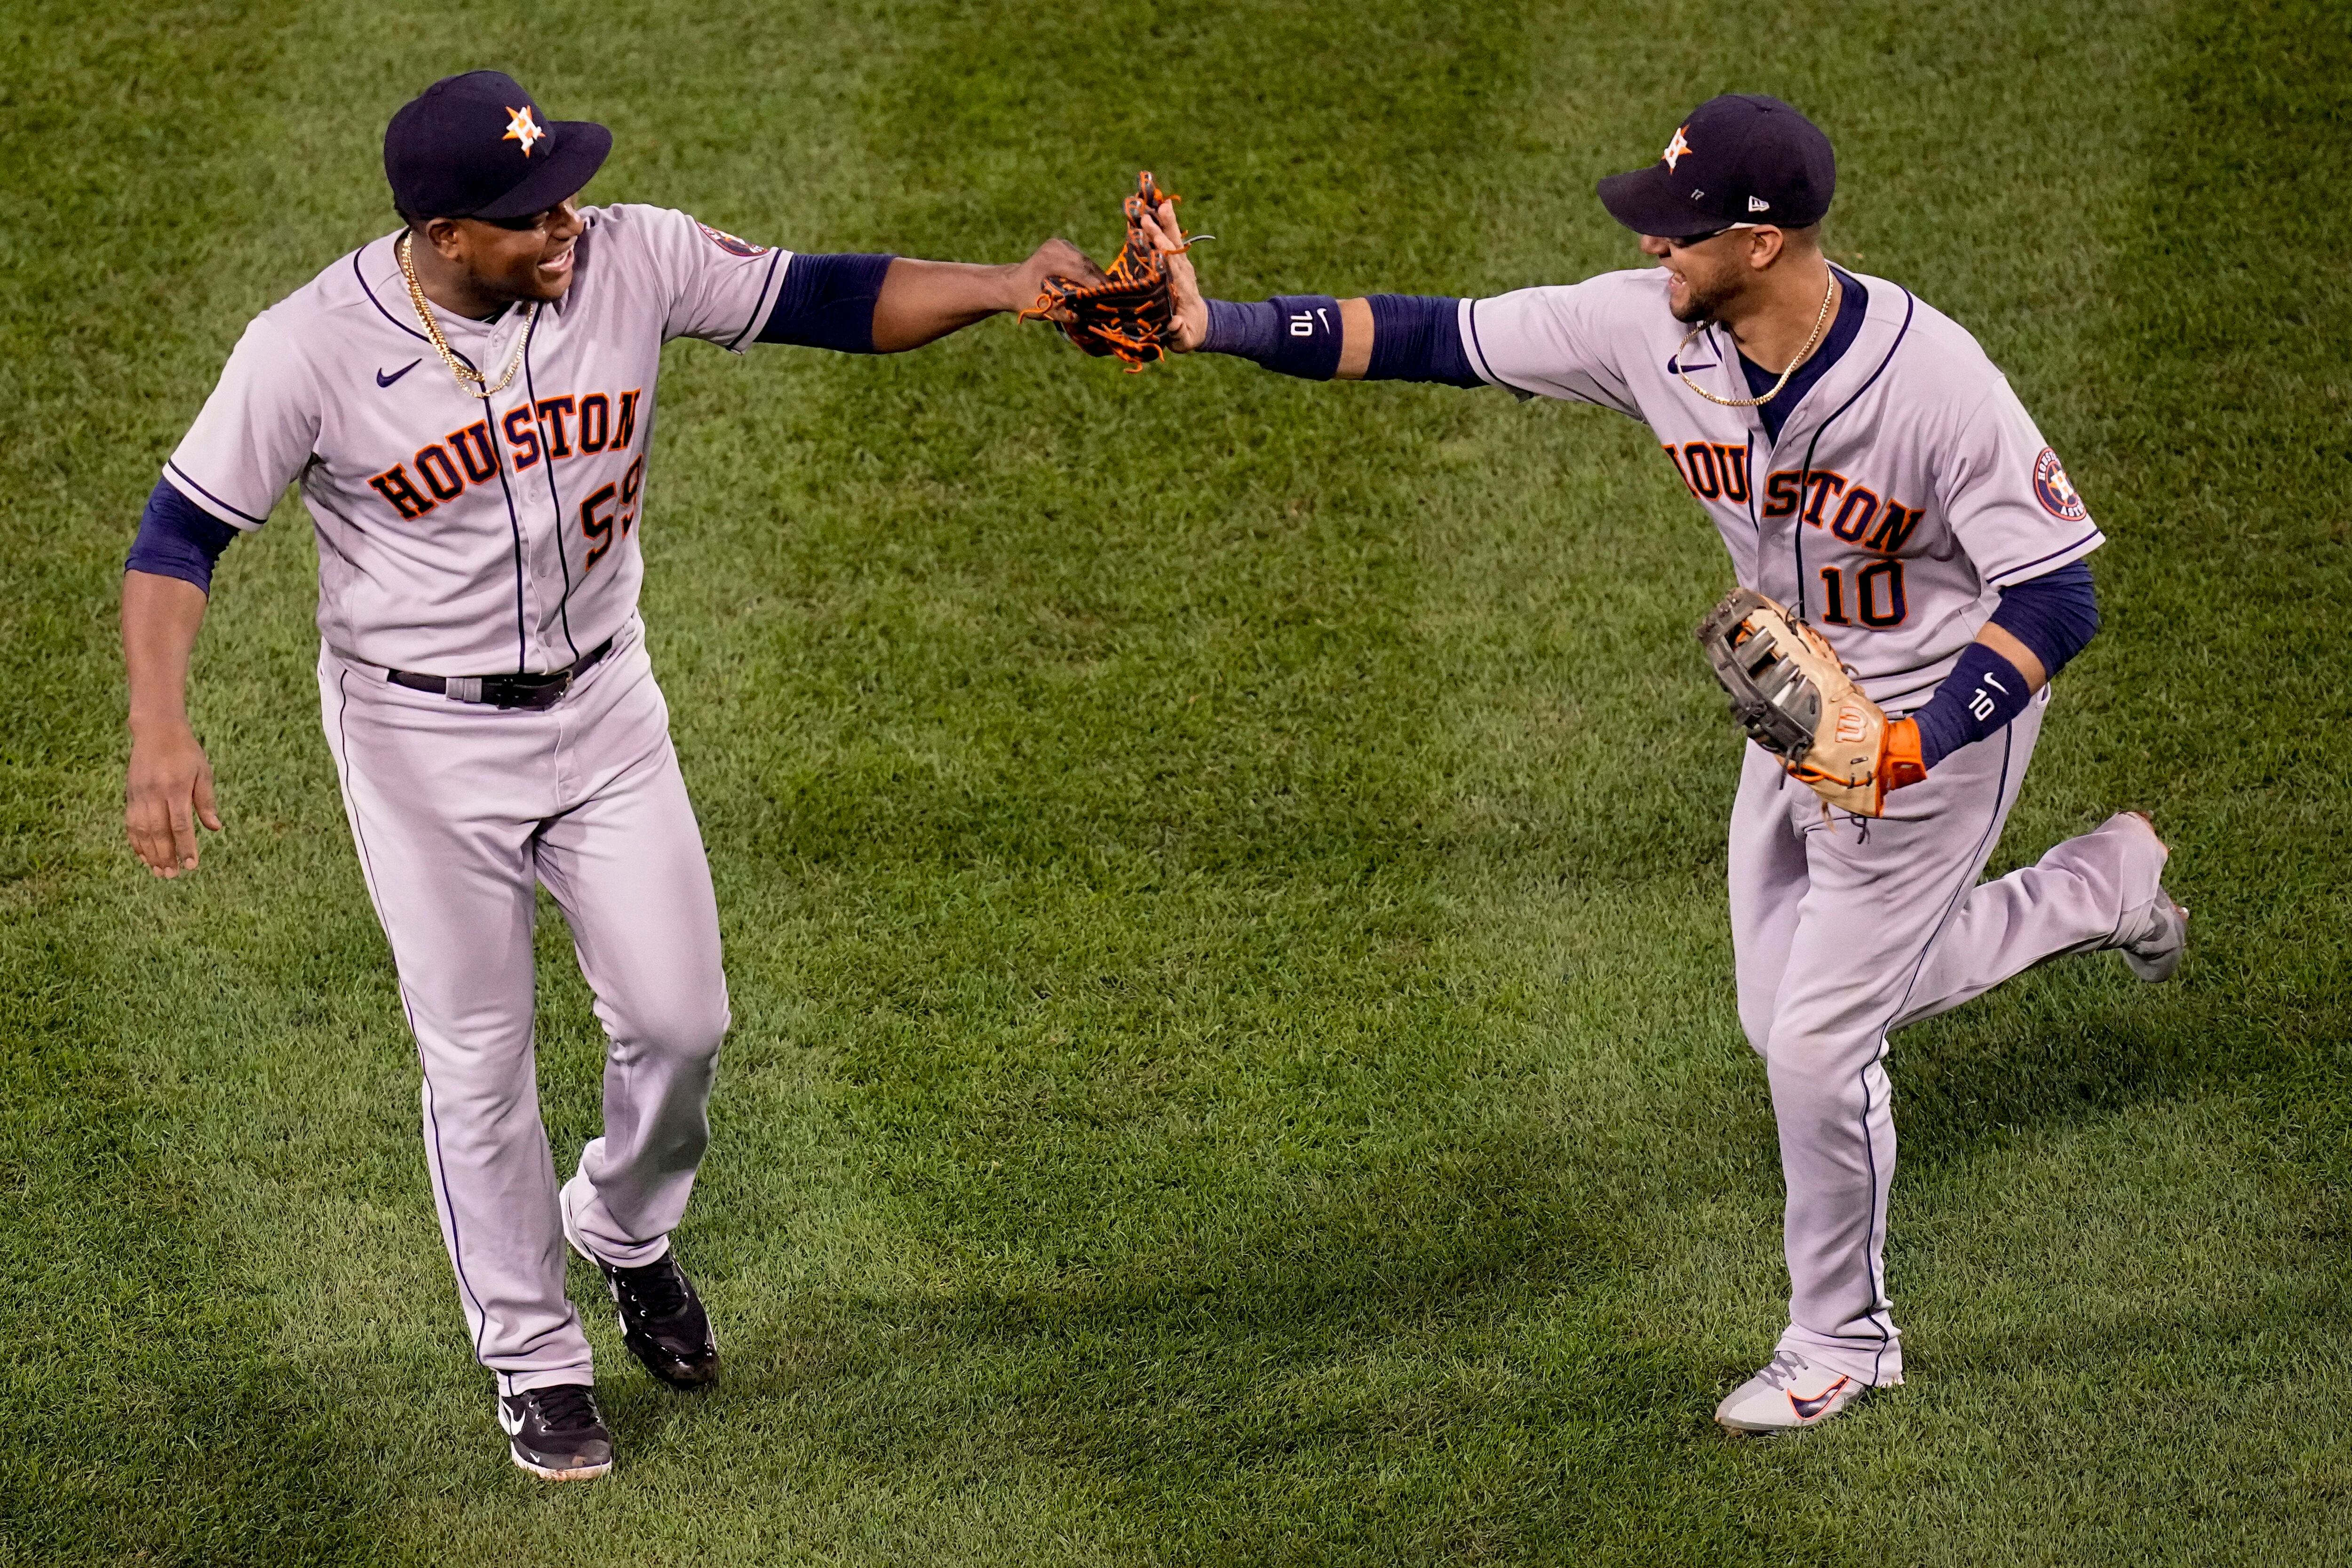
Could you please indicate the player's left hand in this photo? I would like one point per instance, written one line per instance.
(1191, 318)
(1794, 698)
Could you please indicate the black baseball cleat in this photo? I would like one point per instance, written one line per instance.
(556, 1433)
(662, 1319)
(663, 1322)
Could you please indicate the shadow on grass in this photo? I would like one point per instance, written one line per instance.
(1420, 1361)
(149, 1415)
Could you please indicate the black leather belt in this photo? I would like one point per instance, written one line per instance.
(505, 690)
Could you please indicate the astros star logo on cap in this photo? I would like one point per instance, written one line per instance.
(1675, 148)
(523, 128)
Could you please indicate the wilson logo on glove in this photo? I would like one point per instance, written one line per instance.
(1794, 699)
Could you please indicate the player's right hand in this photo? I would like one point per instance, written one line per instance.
(168, 791)
(1191, 324)
(1056, 258)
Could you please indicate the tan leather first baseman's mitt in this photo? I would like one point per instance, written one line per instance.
(1129, 313)
(1795, 700)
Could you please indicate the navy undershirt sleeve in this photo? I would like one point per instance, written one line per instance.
(1418, 337)
(827, 302)
(2054, 615)
(177, 538)
(1852, 304)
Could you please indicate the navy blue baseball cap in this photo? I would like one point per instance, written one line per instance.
(1740, 158)
(478, 145)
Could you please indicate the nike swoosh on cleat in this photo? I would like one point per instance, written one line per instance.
(1807, 1409)
(383, 380)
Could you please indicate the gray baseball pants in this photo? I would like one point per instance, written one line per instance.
(1843, 930)
(458, 811)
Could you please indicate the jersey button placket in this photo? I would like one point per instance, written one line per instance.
(549, 566)
(530, 501)
(523, 513)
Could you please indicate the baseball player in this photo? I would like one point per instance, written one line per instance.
(1872, 470)
(468, 404)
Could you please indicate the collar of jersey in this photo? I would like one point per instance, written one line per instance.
(387, 291)
(1882, 327)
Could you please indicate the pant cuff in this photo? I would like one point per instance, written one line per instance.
(551, 1377)
(1866, 1361)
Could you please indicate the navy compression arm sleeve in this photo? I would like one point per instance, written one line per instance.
(827, 302)
(1247, 332)
(1290, 334)
(2053, 616)
(1414, 337)
(1418, 337)
(177, 538)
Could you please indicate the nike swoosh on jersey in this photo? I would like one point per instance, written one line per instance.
(383, 380)
(1807, 1409)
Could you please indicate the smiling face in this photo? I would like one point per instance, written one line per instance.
(1706, 278)
(512, 259)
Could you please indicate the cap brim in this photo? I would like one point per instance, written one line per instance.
(578, 148)
(1644, 202)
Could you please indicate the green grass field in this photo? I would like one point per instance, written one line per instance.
(1234, 1057)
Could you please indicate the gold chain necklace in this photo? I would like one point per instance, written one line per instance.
(457, 367)
(1802, 355)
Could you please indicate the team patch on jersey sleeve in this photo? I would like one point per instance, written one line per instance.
(2054, 491)
(729, 243)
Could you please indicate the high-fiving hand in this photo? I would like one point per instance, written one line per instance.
(1057, 258)
(1191, 322)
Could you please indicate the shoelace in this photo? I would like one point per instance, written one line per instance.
(656, 1291)
(570, 1407)
(1783, 1368)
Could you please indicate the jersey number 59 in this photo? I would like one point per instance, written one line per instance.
(597, 523)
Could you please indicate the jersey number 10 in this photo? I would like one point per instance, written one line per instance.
(1877, 596)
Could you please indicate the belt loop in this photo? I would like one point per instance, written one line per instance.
(464, 687)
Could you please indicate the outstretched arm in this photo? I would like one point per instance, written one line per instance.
(883, 304)
(923, 300)
(1316, 337)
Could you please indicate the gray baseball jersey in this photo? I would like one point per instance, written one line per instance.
(460, 536)
(1907, 487)
(1905, 490)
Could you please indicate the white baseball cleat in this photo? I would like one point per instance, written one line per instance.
(2153, 935)
(1788, 1394)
